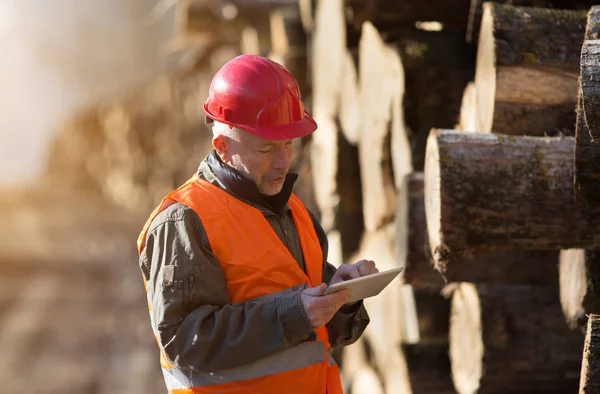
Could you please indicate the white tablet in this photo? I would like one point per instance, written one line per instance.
(365, 286)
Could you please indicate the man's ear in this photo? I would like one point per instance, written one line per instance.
(221, 145)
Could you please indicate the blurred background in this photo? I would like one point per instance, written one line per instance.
(101, 116)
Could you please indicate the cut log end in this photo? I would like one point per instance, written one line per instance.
(495, 334)
(468, 109)
(579, 285)
(572, 285)
(485, 76)
(432, 194)
(466, 345)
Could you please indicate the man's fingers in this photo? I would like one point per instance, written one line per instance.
(334, 298)
(367, 267)
(316, 291)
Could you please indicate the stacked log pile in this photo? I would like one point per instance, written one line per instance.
(504, 192)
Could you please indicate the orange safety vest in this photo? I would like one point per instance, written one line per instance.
(255, 263)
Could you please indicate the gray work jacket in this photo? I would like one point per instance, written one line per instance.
(197, 325)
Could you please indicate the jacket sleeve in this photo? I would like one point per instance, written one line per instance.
(196, 325)
(349, 323)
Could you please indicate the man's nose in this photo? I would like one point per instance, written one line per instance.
(282, 159)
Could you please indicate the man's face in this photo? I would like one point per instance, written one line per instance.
(266, 162)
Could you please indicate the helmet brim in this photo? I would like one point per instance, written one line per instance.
(301, 128)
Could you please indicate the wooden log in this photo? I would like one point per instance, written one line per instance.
(590, 75)
(587, 191)
(391, 320)
(306, 9)
(428, 368)
(527, 57)
(496, 346)
(587, 152)
(349, 111)
(495, 192)
(385, 155)
(579, 272)
(509, 267)
(475, 11)
(288, 45)
(328, 46)
(590, 367)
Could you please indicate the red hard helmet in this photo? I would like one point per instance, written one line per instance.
(260, 96)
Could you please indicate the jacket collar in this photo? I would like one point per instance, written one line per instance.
(213, 170)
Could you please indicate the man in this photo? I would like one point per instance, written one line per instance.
(234, 264)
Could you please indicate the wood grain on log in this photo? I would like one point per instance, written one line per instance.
(495, 192)
(509, 267)
(526, 56)
(429, 368)
(496, 346)
(590, 367)
(385, 155)
(579, 272)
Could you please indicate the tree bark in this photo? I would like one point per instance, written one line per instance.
(475, 11)
(384, 151)
(590, 366)
(590, 75)
(587, 152)
(527, 57)
(495, 192)
(579, 272)
(429, 368)
(512, 339)
(508, 267)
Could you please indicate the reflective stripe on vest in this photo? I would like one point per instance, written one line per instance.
(293, 358)
(256, 264)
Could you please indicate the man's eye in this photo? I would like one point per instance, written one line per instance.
(264, 151)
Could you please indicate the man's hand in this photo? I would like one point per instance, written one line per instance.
(319, 308)
(352, 271)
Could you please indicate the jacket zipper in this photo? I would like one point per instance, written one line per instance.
(285, 234)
